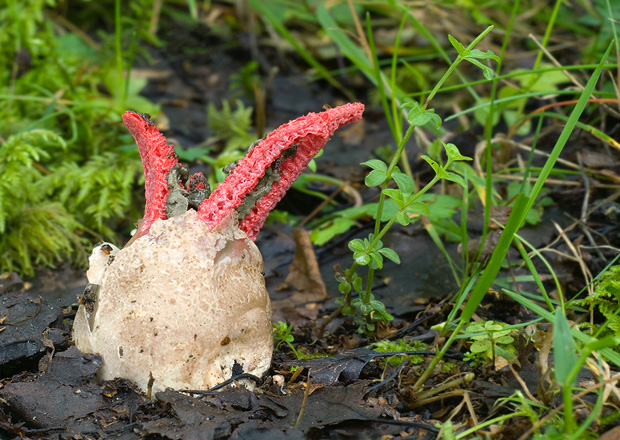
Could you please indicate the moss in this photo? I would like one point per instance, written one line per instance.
(606, 298)
(47, 205)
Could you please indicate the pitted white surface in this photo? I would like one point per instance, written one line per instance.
(181, 303)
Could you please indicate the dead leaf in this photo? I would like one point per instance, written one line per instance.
(304, 274)
(25, 322)
(597, 159)
(612, 434)
(306, 280)
(347, 365)
(51, 400)
(353, 134)
(499, 214)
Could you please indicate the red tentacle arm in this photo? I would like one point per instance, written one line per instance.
(157, 159)
(287, 152)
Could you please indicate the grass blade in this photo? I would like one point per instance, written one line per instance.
(523, 203)
(263, 9)
(564, 349)
(607, 353)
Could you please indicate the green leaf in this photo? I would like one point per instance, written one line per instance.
(390, 209)
(564, 349)
(344, 287)
(474, 328)
(376, 164)
(404, 182)
(480, 346)
(434, 117)
(418, 208)
(375, 178)
(349, 311)
(486, 70)
(508, 355)
(539, 82)
(396, 195)
(357, 284)
(418, 116)
(322, 235)
(462, 51)
(377, 306)
(402, 218)
(443, 206)
(453, 153)
(505, 340)
(390, 255)
(356, 245)
(376, 261)
(312, 165)
(452, 177)
(439, 171)
(361, 258)
(191, 154)
(477, 53)
(386, 317)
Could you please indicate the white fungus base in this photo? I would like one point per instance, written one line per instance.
(181, 304)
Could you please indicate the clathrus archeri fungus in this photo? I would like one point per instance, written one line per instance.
(184, 304)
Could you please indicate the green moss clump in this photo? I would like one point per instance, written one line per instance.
(33, 229)
(606, 298)
(47, 204)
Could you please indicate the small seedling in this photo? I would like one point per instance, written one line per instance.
(282, 333)
(404, 204)
(489, 340)
(404, 200)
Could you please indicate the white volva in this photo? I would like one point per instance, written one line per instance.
(181, 304)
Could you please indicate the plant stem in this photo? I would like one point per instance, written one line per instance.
(369, 280)
(429, 370)
(119, 53)
(391, 166)
(468, 377)
(454, 65)
(550, 24)
(569, 419)
(387, 226)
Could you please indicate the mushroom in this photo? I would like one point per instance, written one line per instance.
(183, 305)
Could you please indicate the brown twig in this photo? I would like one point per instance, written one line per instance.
(327, 320)
(304, 402)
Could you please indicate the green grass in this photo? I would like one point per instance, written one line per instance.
(66, 172)
(504, 101)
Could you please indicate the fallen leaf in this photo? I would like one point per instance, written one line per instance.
(304, 274)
